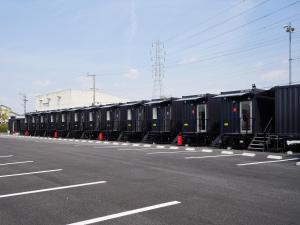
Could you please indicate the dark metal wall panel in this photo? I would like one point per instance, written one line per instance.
(287, 109)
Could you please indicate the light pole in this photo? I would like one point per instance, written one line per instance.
(94, 87)
(290, 30)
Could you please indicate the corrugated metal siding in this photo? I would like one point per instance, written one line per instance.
(230, 122)
(287, 108)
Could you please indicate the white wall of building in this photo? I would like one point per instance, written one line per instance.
(73, 98)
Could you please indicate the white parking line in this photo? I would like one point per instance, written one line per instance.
(147, 145)
(211, 156)
(23, 174)
(274, 157)
(190, 149)
(51, 189)
(174, 147)
(125, 144)
(12, 163)
(207, 150)
(227, 152)
(174, 152)
(126, 213)
(160, 146)
(264, 162)
(5, 156)
(135, 149)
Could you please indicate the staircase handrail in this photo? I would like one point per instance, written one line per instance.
(269, 123)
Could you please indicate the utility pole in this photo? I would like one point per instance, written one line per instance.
(158, 54)
(25, 100)
(290, 30)
(94, 87)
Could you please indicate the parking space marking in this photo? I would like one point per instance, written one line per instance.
(12, 163)
(126, 213)
(174, 152)
(227, 152)
(5, 156)
(51, 189)
(207, 150)
(29, 173)
(274, 157)
(135, 149)
(264, 162)
(211, 156)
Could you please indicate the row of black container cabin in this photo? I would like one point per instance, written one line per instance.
(256, 118)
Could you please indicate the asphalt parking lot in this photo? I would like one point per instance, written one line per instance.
(47, 181)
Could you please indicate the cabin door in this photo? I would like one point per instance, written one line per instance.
(139, 119)
(246, 117)
(117, 120)
(201, 118)
(166, 118)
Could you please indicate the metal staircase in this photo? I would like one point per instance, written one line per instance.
(259, 142)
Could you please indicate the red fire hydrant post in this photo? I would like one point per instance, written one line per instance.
(100, 136)
(55, 134)
(179, 139)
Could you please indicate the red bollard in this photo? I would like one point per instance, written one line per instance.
(55, 134)
(179, 139)
(100, 136)
(26, 133)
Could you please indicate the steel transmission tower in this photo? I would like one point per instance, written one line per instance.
(158, 55)
(94, 87)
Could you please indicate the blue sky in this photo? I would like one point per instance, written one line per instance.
(211, 46)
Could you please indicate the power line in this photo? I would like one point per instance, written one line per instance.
(257, 32)
(228, 19)
(229, 53)
(206, 20)
(239, 27)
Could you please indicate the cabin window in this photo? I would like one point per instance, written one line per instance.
(129, 114)
(63, 118)
(75, 117)
(246, 117)
(201, 118)
(51, 119)
(33, 120)
(42, 119)
(154, 113)
(108, 115)
(90, 116)
(25, 119)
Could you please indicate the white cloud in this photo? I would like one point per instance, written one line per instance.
(42, 83)
(275, 75)
(132, 74)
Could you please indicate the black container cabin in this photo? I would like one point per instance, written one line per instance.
(199, 117)
(52, 121)
(133, 121)
(111, 126)
(162, 124)
(31, 123)
(287, 115)
(77, 118)
(92, 122)
(62, 122)
(43, 124)
(37, 123)
(16, 125)
(244, 114)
